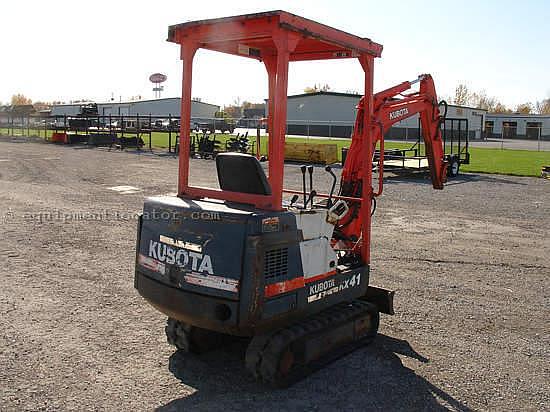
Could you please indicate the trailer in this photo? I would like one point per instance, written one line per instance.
(455, 132)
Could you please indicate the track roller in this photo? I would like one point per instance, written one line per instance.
(284, 356)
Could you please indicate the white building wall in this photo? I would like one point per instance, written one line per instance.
(341, 109)
(201, 109)
(65, 109)
(475, 117)
(159, 107)
(322, 108)
(521, 120)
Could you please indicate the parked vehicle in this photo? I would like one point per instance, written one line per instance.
(211, 125)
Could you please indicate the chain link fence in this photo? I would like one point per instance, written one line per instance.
(165, 128)
(510, 137)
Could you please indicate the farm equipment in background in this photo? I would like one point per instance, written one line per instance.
(239, 143)
(82, 122)
(124, 142)
(293, 274)
(86, 118)
(211, 125)
(545, 172)
(58, 137)
(204, 145)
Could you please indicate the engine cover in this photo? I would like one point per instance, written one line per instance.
(231, 268)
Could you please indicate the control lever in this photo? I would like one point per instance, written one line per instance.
(293, 199)
(329, 170)
(310, 199)
(311, 191)
(303, 169)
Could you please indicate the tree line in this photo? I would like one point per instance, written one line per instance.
(463, 97)
(236, 109)
(480, 100)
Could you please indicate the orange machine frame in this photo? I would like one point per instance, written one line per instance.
(274, 38)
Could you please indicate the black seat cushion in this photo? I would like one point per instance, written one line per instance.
(239, 172)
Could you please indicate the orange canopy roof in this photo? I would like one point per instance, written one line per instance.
(251, 35)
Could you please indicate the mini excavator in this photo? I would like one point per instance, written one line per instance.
(239, 260)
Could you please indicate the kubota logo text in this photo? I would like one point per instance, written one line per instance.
(181, 257)
(398, 113)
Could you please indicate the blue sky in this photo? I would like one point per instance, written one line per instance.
(63, 50)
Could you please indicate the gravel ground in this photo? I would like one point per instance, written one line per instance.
(471, 266)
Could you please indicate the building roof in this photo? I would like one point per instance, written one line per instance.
(18, 109)
(466, 107)
(134, 101)
(520, 115)
(322, 93)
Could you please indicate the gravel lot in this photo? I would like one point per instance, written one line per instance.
(471, 265)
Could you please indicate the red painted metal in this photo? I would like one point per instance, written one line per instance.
(284, 286)
(384, 110)
(59, 137)
(325, 195)
(294, 283)
(277, 38)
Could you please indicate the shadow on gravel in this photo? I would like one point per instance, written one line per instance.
(424, 178)
(370, 378)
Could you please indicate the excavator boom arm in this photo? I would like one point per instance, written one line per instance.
(389, 110)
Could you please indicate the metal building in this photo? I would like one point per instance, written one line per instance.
(157, 107)
(525, 126)
(321, 114)
(475, 117)
(333, 114)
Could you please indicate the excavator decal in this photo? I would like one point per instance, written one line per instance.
(398, 113)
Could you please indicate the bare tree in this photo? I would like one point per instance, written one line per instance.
(524, 108)
(233, 111)
(481, 101)
(462, 95)
(543, 107)
(317, 88)
(20, 99)
(500, 108)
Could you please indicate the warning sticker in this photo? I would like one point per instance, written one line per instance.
(212, 281)
(151, 264)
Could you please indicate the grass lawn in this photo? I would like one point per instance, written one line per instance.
(482, 160)
(507, 162)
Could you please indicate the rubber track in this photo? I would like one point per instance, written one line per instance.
(264, 352)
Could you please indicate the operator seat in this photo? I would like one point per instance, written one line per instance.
(240, 172)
